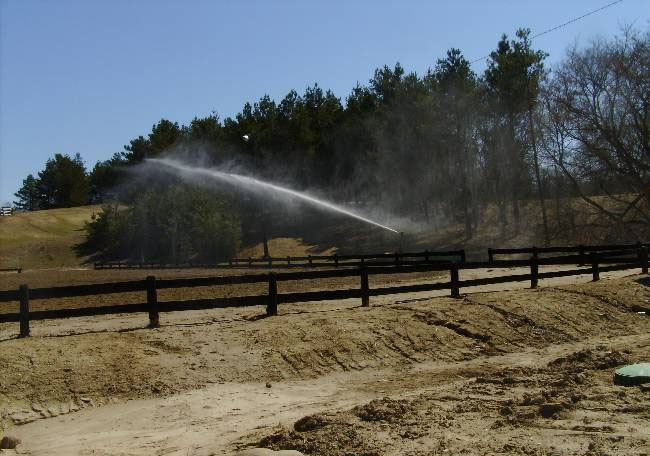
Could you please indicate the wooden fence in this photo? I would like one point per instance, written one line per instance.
(309, 261)
(579, 249)
(598, 262)
(376, 259)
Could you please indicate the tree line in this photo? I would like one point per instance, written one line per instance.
(447, 146)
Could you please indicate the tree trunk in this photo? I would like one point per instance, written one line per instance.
(515, 171)
(468, 223)
(466, 202)
(515, 207)
(540, 187)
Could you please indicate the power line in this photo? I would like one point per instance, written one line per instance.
(576, 19)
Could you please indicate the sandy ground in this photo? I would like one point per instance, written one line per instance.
(504, 372)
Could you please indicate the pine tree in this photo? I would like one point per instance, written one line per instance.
(63, 182)
(29, 198)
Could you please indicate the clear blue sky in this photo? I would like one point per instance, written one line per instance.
(88, 76)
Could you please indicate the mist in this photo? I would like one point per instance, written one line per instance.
(261, 188)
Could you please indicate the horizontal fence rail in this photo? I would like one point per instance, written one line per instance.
(590, 259)
(310, 261)
(377, 259)
(580, 249)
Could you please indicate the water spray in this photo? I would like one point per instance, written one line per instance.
(251, 182)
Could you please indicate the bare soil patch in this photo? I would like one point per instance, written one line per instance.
(511, 372)
(544, 409)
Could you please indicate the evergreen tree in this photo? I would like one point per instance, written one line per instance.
(457, 93)
(105, 177)
(513, 80)
(29, 198)
(63, 182)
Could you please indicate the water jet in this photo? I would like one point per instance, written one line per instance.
(252, 183)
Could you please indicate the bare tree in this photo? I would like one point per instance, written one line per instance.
(597, 119)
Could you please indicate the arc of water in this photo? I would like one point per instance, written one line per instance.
(251, 181)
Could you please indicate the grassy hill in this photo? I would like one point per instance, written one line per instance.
(43, 239)
(47, 239)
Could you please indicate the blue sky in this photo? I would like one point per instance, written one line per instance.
(88, 76)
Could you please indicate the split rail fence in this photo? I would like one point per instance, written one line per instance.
(591, 260)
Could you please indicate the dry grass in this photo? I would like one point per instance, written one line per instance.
(46, 239)
(43, 239)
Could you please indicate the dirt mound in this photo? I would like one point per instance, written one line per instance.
(310, 422)
(522, 415)
(588, 359)
(386, 409)
(336, 439)
(194, 349)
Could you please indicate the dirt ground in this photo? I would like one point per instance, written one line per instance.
(496, 372)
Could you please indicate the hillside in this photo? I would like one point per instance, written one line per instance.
(43, 239)
(47, 239)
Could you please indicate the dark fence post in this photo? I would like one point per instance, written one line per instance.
(534, 271)
(426, 256)
(250, 262)
(272, 306)
(365, 288)
(535, 252)
(595, 271)
(455, 288)
(336, 260)
(270, 262)
(288, 260)
(581, 252)
(152, 302)
(310, 263)
(397, 259)
(23, 294)
(643, 259)
(462, 256)
(490, 255)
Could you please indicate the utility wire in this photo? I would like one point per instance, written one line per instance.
(576, 19)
